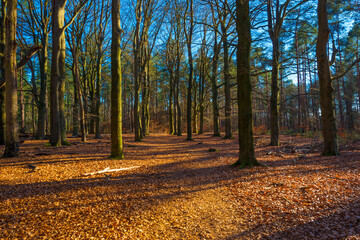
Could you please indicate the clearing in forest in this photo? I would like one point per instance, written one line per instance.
(180, 190)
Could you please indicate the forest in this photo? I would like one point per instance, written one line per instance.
(180, 119)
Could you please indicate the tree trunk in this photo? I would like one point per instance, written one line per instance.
(116, 105)
(57, 74)
(43, 63)
(191, 69)
(177, 77)
(171, 119)
(228, 128)
(75, 112)
(326, 88)
(97, 92)
(79, 93)
(2, 70)
(137, 71)
(214, 87)
(21, 99)
(244, 90)
(11, 103)
(274, 107)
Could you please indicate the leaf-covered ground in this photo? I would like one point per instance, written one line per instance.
(180, 191)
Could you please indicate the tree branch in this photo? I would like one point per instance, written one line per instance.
(347, 70)
(75, 15)
(31, 52)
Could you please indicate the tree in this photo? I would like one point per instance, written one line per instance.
(189, 37)
(57, 80)
(326, 88)
(11, 140)
(244, 92)
(2, 69)
(116, 103)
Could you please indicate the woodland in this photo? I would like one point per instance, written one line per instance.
(179, 119)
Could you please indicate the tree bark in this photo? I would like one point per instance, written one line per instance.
(137, 71)
(57, 74)
(11, 103)
(2, 70)
(191, 69)
(214, 87)
(244, 90)
(228, 127)
(326, 88)
(43, 63)
(116, 105)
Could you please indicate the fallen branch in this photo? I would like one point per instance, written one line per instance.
(107, 170)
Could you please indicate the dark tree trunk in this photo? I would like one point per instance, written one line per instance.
(191, 69)
(244, 92)
(2, 72)
(75, 113)
(214, 87)
(326, 88)
(43, 62)
(11, 103)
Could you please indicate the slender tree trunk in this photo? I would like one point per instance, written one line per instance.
(171, 92)
(79, 93)
(201, 98)
(326, 88)
(244, 92)
(274, 107)
(75, 112)
(191, 69)
(21, 100)
(178, 107)
(97, 92)
(116, 106)
(11, 103)
(43, 63)
(137, 71)
(214, 87)
(228, 128)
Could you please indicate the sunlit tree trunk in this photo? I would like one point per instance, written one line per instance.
(116, 105)
(57, 73)
(326, 88)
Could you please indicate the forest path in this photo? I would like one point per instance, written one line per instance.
(180, 191)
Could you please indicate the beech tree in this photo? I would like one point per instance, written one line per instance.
(11, 140)
(116, 103)
(57, 80)
(244, 91)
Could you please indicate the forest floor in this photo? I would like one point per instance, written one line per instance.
(180, 190)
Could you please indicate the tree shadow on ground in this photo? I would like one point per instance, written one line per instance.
(341, 223)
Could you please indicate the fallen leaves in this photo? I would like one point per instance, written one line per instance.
(183, 191)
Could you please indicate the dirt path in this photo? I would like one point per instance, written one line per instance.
(180, 191)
